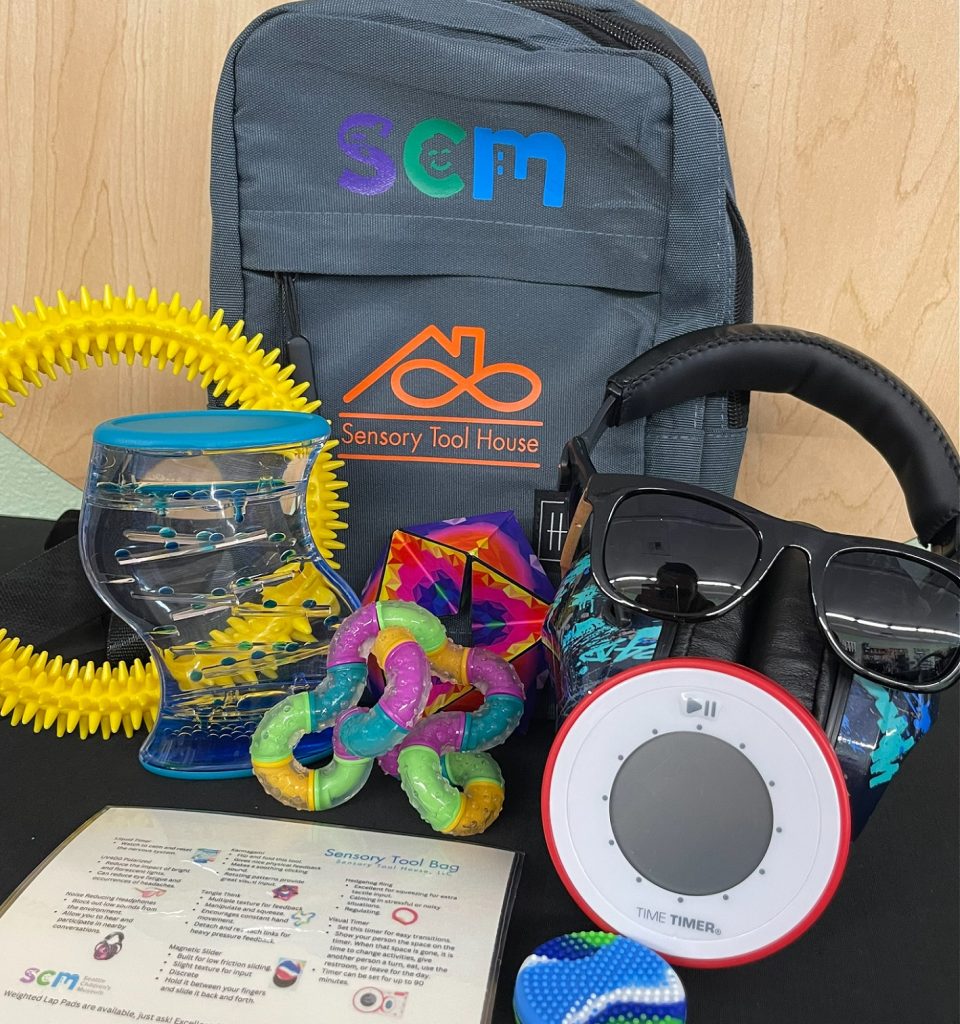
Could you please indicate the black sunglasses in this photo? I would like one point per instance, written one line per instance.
(889, 611)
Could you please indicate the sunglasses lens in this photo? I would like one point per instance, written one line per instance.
(894, 615)
(675, 554)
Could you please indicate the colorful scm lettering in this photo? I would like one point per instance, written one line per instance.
(429, 158)
(50, 978)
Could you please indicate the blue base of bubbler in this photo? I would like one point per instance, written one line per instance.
(217, 759)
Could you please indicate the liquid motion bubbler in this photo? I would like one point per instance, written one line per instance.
(194, 531)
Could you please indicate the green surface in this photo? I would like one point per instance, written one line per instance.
(462, 768)
(30, 489)
(427, 629)
(271, 741)
(434, 799)
(339, 781)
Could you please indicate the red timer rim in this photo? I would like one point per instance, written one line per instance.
(807, 720)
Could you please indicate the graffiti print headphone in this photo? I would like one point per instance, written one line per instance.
(737, 690)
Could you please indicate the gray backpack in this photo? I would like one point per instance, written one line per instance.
(458, 217)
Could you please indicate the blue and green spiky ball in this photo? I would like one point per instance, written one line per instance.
(597, 978)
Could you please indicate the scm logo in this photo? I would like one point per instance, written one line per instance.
(430, 158)
(50, 978)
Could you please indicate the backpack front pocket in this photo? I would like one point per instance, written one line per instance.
(453, 395)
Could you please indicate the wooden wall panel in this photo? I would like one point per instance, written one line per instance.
(842, 124)
(105, 110)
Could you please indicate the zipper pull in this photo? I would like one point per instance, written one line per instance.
(296, 349)
(298, 352)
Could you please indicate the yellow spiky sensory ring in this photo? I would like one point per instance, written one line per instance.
(46, 690)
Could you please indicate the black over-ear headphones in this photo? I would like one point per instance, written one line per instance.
(821, 372)
(737, 691)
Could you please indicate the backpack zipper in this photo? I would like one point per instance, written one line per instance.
(743, 289)
(296, 348)
(622, 34)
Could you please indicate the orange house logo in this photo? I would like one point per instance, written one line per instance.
(414, 357)
(483, 429)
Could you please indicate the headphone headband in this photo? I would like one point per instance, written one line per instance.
(821, 372)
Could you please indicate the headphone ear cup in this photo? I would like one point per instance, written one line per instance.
(724, 637)
(785, 641)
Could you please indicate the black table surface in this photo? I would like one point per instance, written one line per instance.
(885, 951)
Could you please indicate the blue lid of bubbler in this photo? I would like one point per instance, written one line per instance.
(214, 429)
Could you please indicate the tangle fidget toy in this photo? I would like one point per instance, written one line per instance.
(455, 786)
(388, 630)
(443, 767)
(49, 692)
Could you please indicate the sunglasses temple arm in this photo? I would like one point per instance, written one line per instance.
(578, 521)
(579, 448)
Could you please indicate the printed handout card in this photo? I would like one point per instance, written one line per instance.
(187, 917)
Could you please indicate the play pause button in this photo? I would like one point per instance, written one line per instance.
(699, 705)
